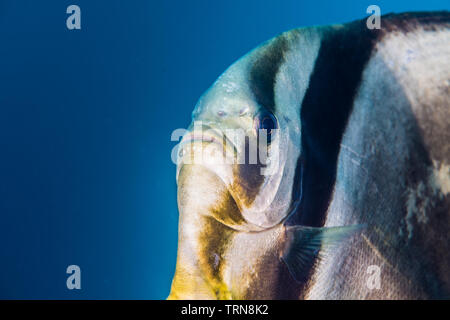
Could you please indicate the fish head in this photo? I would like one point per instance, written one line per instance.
(239, 153)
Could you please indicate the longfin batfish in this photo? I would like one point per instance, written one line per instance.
(350, 196)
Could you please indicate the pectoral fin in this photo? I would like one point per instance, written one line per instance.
(305, 244)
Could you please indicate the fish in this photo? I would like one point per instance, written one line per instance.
(317, 166)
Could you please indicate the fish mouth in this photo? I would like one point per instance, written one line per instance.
(196, 137)
(208, 135)
(213, 146)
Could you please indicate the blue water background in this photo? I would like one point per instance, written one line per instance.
(86, 176)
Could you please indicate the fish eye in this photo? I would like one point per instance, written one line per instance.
(266, 121)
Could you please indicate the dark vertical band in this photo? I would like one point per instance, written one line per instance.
(325, 110)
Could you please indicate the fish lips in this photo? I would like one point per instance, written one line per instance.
(207, 148)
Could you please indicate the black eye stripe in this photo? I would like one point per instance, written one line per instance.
(264, 71)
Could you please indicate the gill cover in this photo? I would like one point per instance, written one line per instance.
(271, 204)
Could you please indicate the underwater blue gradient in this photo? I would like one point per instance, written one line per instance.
(86, 116)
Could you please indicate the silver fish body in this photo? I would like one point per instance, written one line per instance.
(361, 168)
